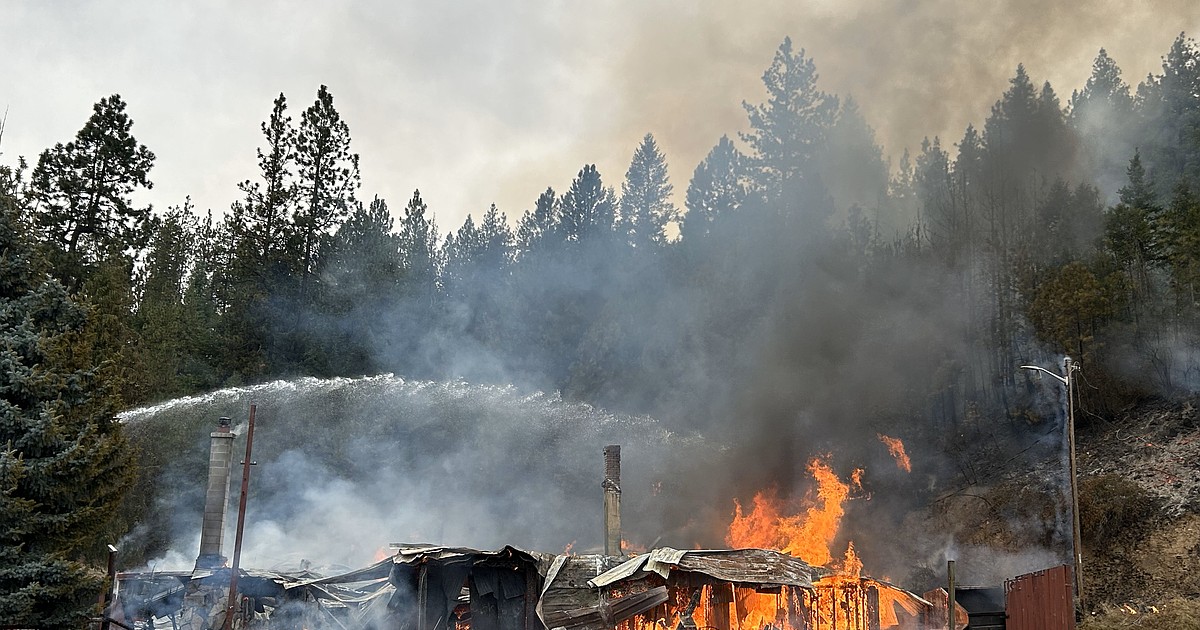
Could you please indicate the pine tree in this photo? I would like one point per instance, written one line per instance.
(851, 165)
(1104, 90)
(360, 271)
(717, 188)
(1131, 237)
(328, 177)
(537, 224)
(261, 286)
(646, 206)
(1180, 229)
(949, 227)
(206, 327)
(418, 298)
(83, 193)
(64, 465)
(788, 132)
(461, 251)
(263, 219)
(1169, 105)
(160, 319)
(588, 209)
(418, 245)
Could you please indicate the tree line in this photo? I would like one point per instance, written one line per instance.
(805, 274)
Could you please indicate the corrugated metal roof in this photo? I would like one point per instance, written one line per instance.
(746, 566)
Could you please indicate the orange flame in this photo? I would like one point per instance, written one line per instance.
(896, 448)
(851, 565)
(806, 535)
(631, 548)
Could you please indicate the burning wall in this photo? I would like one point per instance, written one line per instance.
(740, 589)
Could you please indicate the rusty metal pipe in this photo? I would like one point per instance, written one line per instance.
(950, 603)
(241, 523)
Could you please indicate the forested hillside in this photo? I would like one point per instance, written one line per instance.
(798, 284)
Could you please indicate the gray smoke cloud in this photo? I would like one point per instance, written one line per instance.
(347, 466)
(478, 102)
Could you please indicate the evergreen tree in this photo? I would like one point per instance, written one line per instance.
(496, 240)
(460, 251)
(262, 221)
(537, 224)
(260, 288)
(160, 319)
(418, 299)
(83, 193)
(1102, 115)
(1131, 236)
(1180, 229)
(361, 270)
(718, 187)
(1170, 108)
(788, 133)
(206, 327)
(64, 465)
(1070, 310)
(418, 246)
(851, 163)
(949, 227)
(327, 179)
(1027, 139)
(1105, 91)
(587, 208)
(646, 206)
(477, 279)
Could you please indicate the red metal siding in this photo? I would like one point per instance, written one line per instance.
(1042, 600)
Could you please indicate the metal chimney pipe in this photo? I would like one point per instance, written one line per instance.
(212, 530)
(951, 604)
(612, 500)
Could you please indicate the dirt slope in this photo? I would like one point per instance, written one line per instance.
(1140, 506)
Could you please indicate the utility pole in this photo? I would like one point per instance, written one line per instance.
(1068, 380)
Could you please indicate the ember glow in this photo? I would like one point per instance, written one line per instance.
(896, 448)
(806, 534)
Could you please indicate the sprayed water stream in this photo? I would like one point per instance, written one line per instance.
(347, 466)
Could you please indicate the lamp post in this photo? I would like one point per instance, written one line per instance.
(1069, 367)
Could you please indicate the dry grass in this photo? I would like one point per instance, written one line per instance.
(1174, 614)
(1113, 511)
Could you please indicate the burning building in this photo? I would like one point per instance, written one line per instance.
(430, 587)
(725, 589)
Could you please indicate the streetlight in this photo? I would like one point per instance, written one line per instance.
(1070, 367)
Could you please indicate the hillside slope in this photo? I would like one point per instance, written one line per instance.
(1140, 506)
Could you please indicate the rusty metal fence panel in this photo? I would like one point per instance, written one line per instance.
(1041, 600)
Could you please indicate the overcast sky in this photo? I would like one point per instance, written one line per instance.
(481, 101)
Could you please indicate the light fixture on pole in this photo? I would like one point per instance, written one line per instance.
(1069, 367)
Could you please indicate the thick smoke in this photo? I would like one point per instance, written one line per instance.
(918, 69)
(812, 357)
(347, 466)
